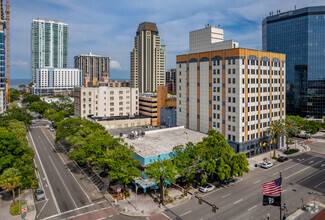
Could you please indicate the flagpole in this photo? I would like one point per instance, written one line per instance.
(281, 198)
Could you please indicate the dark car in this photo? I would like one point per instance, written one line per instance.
(228, 180)
(282, 159)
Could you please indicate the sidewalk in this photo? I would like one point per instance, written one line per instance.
(268, 155)
(309, 213)
(6, 200)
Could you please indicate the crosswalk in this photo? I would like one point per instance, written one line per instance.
(39, 126)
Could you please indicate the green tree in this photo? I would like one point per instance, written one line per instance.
(14, 94)
(9, 180)
(29, 99)
(16, 113)
(291, 129)
(277, 130)
(18, 128)
(312, 127)
(39, 107)
(160, 168)
(122, 164)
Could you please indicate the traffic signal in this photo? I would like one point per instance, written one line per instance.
(185, 193)
(214, 208)
(200, 200)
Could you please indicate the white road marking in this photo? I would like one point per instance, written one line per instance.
(67, 168)
(225, 196)
(277, 173)
(101, 218)
(54, 199)
(238, 201)
(42, 208)
(316, 187)
(310, 176)
(185, 213)
(110, 216)
(46, 185)
(311, 161)
(63, 182)
(62, 213)
(302, 170)
(257, 181)
(322, 165)
(166, 215)
(252, 208)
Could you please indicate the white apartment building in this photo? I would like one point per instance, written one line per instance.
(103, 101)
(147, 59)
(235, 91)
(57, 79)
(49, 44)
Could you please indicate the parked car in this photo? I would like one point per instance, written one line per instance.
(51, 129)
(229, 180)
(282, 159)
(33, 121)
(266, 165)
(207, 188)
(40, 195)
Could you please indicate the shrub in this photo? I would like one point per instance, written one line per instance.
(291, 151)
(15, 209)
(170, 200)
(274, 158)
(166, 193)
(127, 193)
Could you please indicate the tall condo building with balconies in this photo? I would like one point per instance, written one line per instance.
(3, 92)
(300, 34)
(94, 66)
(147, 59)
(49, 44)
(235, 91)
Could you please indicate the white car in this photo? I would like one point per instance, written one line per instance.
(40, 195)
(266, 165)
(51, 129)
(207, 188)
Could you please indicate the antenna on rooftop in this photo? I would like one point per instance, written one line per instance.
(207, 25)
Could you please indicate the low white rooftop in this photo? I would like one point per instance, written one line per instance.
(162, 141)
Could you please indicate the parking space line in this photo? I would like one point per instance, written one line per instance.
(310, 176)
(47, 180)
(257, 181)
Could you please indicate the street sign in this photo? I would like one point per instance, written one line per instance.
(24, 209)
(118, 190)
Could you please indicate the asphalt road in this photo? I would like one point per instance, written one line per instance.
(64, 195)
(302, 174)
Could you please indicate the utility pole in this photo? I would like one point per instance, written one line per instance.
(281, 198)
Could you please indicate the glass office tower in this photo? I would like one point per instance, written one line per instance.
(300, 34)
(49, 44)
(3, 92)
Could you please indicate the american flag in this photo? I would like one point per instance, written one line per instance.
(273, 187)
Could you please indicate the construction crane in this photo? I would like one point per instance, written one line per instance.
(8, 48)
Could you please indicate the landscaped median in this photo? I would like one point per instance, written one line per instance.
(291, 151)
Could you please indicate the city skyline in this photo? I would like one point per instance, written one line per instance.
(113, 26)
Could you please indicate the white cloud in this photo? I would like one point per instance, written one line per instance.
(20, 64)
(115, 65)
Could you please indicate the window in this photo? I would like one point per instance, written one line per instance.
(233, 109)
(214, 98)
(229, 61)
(214, 72)
(229, 128)
(233, 71)
(111, 92)
(233, 61)
(229, 71)
(234, 80)
(214, 80)
(233, 90)
(218, 80)
(229, 109)
(229, 80)
(214, 89)
(234, 100)
(218, 71)
(214, 63)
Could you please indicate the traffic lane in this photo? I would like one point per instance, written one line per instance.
(61, 195)
(318, 147)
(239, 193)
(46, 207)
(73, 188)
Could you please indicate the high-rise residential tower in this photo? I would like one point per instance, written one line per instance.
(300, 34)
(94, 66)
(3, 93)
(237, 92)
(49, 42)
(147, 59)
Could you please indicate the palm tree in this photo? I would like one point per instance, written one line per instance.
(9, 180)
(291, 129)
(276, 129)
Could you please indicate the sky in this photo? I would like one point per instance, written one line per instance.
(108, 27)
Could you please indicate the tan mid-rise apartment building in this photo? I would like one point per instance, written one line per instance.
(238, 92)
(104, 101)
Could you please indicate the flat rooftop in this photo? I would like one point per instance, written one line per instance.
(162, 141)
(125, 131)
